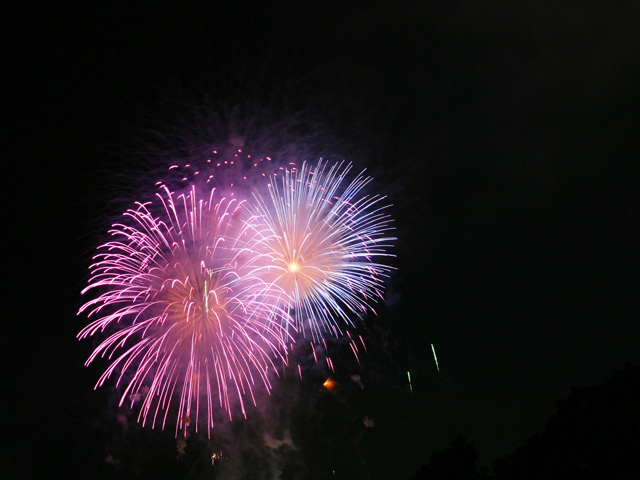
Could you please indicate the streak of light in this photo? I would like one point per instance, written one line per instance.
(435, 357)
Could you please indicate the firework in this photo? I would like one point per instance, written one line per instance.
(200, 296)
(186, 324)
(319, 240)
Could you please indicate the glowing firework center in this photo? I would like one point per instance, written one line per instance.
(303, 258)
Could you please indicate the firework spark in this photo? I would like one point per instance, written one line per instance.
(435, 357)
(182, 317)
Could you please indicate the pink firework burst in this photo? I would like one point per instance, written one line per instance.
(188, 327)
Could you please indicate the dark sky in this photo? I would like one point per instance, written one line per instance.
(505, 136)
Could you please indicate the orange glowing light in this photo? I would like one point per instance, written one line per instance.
(294, 267)
(330, 384)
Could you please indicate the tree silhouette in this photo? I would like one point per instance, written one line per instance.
(594, 434)
(458, 461)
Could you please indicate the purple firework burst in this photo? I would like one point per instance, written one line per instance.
(182, 317)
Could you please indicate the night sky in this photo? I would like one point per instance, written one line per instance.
(504, 135)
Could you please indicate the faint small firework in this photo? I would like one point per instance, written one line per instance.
(232, 171)
(319, 241)
(191, 329)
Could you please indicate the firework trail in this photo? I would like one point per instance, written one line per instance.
(201, 295)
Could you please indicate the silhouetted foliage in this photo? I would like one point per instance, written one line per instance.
(456, 462)
(594, 434)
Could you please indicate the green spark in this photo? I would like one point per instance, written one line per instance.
(435, 357)
(206, 299)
